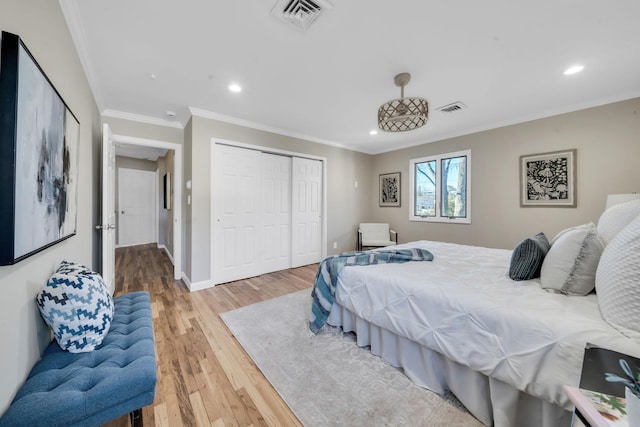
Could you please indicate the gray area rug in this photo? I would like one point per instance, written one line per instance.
(326, 379)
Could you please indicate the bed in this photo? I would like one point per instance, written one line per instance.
(505, 348)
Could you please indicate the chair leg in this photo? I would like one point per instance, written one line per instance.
(136, 418)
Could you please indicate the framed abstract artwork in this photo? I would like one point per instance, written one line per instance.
(548, 179)
(390, 189)
(39, 142)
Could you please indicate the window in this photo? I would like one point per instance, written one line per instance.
(441, 188)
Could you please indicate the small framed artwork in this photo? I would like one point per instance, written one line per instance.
(167, 191)
(39, 143)
(548, 179)
(390, 189)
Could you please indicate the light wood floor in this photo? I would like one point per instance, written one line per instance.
(205, 378)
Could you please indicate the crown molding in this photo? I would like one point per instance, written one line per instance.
(259, 126)
(76, 29)
(142, 119)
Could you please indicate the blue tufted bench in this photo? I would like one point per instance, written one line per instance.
(89, 389)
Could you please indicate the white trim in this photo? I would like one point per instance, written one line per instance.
(166, 250)
(118, 246)
(266, 149)
(142, 119)
(219, 141)
(522, 119)
(177, 191)
(197, 286)
(186, 280)
(438, 159)
(74, 23)
(259, 126)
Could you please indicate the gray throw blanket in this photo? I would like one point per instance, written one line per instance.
(324, 290)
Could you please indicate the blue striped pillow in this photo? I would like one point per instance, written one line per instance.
(527, 257)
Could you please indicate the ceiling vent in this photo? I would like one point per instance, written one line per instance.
(301, 13)
(452, 108)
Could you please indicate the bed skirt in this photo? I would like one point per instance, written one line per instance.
(491, 401)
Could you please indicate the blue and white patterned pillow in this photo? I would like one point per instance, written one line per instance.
(77, 306)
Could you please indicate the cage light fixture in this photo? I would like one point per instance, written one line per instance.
(402, 114)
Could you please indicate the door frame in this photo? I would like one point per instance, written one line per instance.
(177, 191)
(219, 141)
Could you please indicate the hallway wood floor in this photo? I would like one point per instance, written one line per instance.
(205, 378)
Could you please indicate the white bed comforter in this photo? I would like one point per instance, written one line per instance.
(464, 306)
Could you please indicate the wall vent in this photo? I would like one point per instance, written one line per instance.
(452, 108)
(301, 13)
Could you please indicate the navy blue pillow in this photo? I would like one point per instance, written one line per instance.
(527, 257)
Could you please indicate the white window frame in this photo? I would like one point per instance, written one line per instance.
(412, 190)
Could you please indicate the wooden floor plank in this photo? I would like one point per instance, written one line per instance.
(205, 378)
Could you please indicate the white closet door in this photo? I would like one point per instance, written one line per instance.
(137, 208)
(236, 214)
(276, 212)
(306, 211)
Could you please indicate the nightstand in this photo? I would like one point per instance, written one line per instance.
(596, 362)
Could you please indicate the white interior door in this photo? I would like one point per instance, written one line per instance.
(276, 212)
(236, 215)
(108, 209)
(137, 207)
(306, 210)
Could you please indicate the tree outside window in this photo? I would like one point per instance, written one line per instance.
(440, 188)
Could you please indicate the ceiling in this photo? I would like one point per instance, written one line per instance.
(503, 59)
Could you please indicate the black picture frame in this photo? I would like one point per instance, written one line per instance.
(389, 190)
(167, 190)
(39, 145)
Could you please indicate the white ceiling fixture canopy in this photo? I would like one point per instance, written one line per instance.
(403, 114)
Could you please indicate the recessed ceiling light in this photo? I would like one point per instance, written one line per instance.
(234, 87)
(373, 132)
(573, 69)
(152, 76)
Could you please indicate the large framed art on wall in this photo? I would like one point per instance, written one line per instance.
(548, 179)
(39, 142)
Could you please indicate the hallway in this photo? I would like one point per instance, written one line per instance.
(204, 376)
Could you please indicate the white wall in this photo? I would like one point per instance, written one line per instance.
(23, 334)
(608, 148)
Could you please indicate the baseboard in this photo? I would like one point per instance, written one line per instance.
(197, 286)
(167, 252)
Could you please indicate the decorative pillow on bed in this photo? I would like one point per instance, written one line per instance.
(618, 279)
(77, 306)
(570, 265)
(616, 218)
(527, 257)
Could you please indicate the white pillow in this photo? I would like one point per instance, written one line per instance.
(616, 218)
(618, 279)
(77, 306)
(570, 265)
